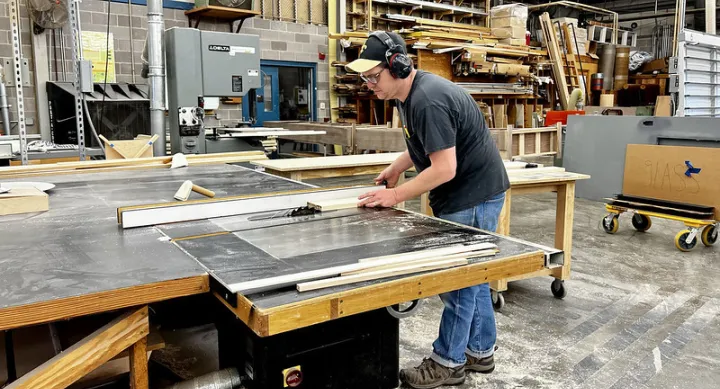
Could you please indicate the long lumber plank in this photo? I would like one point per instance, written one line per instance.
(334, 204)
(295, 164)
(431, 253)
(88, 354)
(192, 159)
(379, 274)
(472, 254)
(270, 283)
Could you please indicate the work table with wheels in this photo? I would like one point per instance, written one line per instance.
(88, 264)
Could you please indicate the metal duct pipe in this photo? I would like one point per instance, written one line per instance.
(223, 379)
(606, 65)
(4, 106)
(156, 59)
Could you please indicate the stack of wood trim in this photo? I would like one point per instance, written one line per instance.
(371, 269)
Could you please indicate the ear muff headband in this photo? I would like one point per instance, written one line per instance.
(398, 62)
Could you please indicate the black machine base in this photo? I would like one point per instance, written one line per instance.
(359, 351)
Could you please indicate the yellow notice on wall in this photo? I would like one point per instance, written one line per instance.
(95, 48)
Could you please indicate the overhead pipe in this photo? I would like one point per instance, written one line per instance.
(156, 67)
(4, 106)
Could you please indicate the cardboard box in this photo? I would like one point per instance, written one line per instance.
(509, 10)
(659, 172)
(509, 32)
(514, 41)
(508, 22)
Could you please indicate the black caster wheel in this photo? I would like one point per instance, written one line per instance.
(611, 224)
(558, 289)
(641, 223)
(498, 301)
(681, 241)
(709, 235)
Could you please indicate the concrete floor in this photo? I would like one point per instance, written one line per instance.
(638, 314)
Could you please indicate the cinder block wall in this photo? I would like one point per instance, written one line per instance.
(296, 42)
(279, 41)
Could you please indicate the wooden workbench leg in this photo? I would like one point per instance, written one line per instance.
(89, 353)
(425, 204)
(504, 219)
(139, 365)
(401, 180)
(296, 176)
(564, 215)
(499, 285)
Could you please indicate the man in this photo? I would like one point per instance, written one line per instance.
(450, 146)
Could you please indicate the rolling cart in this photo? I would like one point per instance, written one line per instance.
(698, 219)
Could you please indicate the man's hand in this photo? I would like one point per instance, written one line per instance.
(388, 175)
(379, 198)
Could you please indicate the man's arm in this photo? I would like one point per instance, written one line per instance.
(442, 170)
(398, 167)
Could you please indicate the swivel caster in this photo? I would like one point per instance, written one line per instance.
(558, 289)
(610, 223)
(498, 301)
(681, 240)
(641, 223)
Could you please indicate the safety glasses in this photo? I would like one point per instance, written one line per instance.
(373, 78)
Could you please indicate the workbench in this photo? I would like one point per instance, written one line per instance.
(522, 181)
(74, 260)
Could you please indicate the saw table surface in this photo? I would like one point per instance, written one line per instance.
(75, 260)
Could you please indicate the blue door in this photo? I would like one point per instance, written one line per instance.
(268, 96)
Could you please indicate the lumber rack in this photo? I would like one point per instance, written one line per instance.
(697, 219)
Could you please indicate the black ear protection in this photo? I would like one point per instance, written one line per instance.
(398, 62)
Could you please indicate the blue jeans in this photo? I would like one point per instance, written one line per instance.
(468, 320)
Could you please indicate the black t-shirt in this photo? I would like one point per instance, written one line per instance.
(438, 114)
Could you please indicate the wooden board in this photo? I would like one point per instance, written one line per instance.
(658, 172)
(304, 313)
(379, 274)
(271, 283)
(298, 164)
(163, 161)
(556, 59)
(152, 214)
(334, 204)
(472, 254)
(81, 305)
(435, 253)
(23, 200)
(88, 354)
(438, 64)
(662, 106)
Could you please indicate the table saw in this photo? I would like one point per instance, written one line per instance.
(76, 260)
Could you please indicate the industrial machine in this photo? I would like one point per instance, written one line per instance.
(203, 64)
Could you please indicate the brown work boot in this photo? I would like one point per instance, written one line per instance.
(431, 374)
(481, 365)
